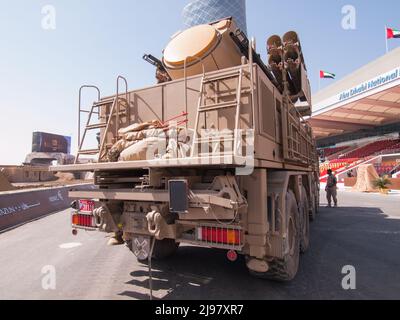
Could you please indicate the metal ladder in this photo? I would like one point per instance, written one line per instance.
(217, 139)
(115, 111)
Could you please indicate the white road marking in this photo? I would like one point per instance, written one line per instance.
(70, 245)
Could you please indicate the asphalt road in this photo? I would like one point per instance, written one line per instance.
(364, 232)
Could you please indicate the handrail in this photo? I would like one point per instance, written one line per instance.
(200, 98)
(395, 169)
(86, 86)
(185, 76)
(103, 140)
(353, 165)
(114, 106)
(117, 99)
(237, 115)
(251, 62)
(366, 161)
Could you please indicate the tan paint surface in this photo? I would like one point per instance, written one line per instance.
(194, 42)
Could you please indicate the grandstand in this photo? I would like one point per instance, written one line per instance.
(371, 149)
(356, 120)
(362, 154)
(329, 152)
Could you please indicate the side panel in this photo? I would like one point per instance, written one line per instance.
(174, 102)
(147, 105)
(255, 188)
(269, 131)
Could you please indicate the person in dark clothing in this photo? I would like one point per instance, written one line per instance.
(350, 174)
(331, 189)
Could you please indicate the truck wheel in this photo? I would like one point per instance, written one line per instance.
(305, 222)
(317, 201)
(313, 209)
(314, 202)
(162, 249)
(286, 269)
(317, 197)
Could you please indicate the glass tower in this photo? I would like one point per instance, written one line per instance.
(206, 11)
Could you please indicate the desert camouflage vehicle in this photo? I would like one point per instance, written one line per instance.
(216, 155)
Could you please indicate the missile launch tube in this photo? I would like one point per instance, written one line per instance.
(274, 42)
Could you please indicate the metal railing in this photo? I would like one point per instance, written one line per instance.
(118, 105)
(185, 79)
(80, 110)
(115, 108)
(96, 109)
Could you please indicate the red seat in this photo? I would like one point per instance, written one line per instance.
(331, 151)
(371, 149)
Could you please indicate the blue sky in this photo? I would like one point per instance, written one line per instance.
(95, 40)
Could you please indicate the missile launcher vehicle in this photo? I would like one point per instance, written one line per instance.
(216, 155)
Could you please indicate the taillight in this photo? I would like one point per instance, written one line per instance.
(83, 220)
(75, 219)
(83, 216)
(86, 205)
(219, 235)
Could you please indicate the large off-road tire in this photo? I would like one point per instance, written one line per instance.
(317, 197)
(313, 209)
(163, 249)
(285, 269)
(304, 221)
(314, 203)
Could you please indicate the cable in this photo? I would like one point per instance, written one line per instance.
(204, 205)
(152, 242)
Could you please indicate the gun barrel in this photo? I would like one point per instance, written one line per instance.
(153, 60)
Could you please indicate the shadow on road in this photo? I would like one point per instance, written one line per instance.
(362, 237)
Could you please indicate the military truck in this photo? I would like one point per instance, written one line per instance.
(217, 154)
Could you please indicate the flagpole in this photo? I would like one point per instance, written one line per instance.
(387, 45)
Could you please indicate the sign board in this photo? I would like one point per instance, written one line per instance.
(362, 90)
(50, 143)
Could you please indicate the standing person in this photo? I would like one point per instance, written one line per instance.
(350, 174)
(331, 189)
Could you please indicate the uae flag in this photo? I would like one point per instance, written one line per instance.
(326, 75)
(392, 33)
